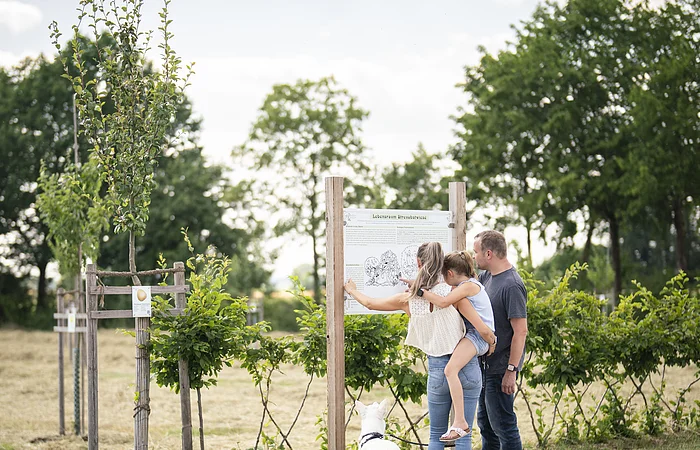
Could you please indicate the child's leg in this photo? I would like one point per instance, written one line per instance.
(462, 354)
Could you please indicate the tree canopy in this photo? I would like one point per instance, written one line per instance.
(304, 132)
(563, 127)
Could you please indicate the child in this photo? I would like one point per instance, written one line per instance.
(458, 271)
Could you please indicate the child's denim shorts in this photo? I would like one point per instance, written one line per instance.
(482, 347)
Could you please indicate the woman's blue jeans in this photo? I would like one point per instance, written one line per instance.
(440, 403)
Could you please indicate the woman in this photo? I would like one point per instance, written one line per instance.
(436, 331)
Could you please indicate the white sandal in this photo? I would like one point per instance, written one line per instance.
(460, 434)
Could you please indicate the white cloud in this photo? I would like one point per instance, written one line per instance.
(8, 59)
(409, 97)
(509, 2)
(18, 16)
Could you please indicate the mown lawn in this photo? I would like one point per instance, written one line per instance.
(232, 410)
(680, 441)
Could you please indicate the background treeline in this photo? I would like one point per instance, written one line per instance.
(587, 124)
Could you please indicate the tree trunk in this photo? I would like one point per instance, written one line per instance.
(528, 225)
(616, 264)
(201, 419)
(313, 228)
(589, 244)
(143, 371)
(132, 259)
(317, 277)
(680, 225)
(77, 373)
(143, 364)
(41, 299)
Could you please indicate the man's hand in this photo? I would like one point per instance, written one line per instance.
(508, 383)
(350, 286)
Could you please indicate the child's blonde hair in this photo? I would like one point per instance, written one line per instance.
(432, 259)
(460, 263)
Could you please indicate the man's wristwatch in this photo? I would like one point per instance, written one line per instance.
(419, 293)
(512, 368)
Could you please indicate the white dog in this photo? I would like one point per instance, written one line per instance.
(373, 426)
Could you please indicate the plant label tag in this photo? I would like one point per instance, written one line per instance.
(71, 322)
(141, 301)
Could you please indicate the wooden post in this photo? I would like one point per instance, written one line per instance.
(335, 329)
(61, 395)
(458, 208)
(82, 349)
(90, 307)
(185, 404)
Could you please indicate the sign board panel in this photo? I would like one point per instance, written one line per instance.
(381, 246)
(71, 322)
(141, 301)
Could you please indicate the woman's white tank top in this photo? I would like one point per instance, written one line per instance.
(435, 332)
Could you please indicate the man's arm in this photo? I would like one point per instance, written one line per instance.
(517, 346)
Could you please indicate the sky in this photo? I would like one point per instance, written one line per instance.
(401, 59)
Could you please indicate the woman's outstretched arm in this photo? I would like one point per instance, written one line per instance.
(393, 303)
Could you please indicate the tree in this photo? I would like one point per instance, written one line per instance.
(36, 127)
(666, 115)
(501, 140)
(208, 335)
(189, 195)
(555, 106)
(418, 184)
(127, 140)
(71, 208)
(304, 132)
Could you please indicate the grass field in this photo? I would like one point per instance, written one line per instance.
(232, 410)
(681, 441)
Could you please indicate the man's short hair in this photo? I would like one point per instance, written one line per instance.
(494, 241)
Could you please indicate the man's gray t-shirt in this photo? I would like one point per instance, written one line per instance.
(508, 299)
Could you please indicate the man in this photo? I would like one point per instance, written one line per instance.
(496, 418)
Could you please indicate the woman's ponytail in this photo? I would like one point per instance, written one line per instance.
(432, 260)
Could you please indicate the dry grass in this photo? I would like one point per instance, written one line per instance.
(680, 441)
(232, 410)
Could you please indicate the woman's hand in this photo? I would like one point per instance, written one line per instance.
(350, 286)
(407, 281)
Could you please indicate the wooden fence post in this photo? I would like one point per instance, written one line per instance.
(458, 208)
(61, 395)
(90, 307)
(335, 310)
(185, 405)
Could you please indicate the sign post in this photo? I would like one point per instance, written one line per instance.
(395, 235)
(335, 328)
